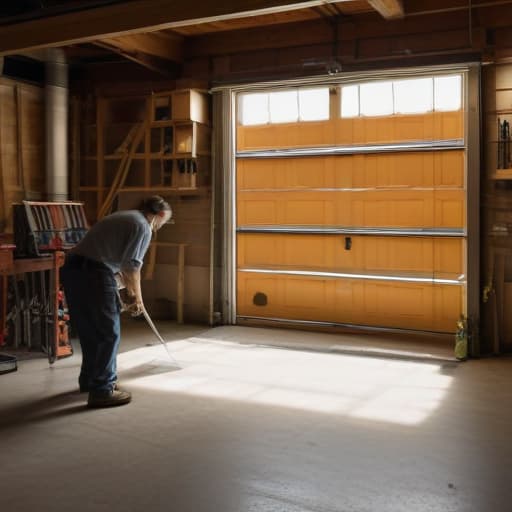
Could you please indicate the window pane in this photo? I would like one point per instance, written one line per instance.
(448, 92)
(350, 101)
(314, 104)
(254, 109)
(283, 107)
(376, 99)
(413, 96)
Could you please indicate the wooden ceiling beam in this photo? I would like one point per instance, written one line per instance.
(314, 32)
(388, 9)
(164, 46)
(137, 16)
(163, 67)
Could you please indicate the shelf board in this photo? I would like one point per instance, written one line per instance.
(502, 174)
(169, 190)
(165, 123)
(152, 156)
(179, 155)
(162, 156)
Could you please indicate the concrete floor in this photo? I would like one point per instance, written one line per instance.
(247, 428)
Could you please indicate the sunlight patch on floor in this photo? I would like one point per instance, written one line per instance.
(401, 392)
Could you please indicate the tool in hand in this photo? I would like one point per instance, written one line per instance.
(127, 307)
(157, 334)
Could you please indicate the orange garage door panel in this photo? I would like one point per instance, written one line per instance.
(374, 208)
(414, 169)
(440, 257)
(391, 304)
(346, 131)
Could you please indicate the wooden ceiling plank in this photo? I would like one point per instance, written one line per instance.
(137, 16)
(255, 39)
(165, 68)
(249, 22)
(388, 9)
(314, 32)
(164, 46)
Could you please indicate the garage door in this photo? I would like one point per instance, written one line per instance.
(351, 204)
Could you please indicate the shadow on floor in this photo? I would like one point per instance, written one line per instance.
(45, 409)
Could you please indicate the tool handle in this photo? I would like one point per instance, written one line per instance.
(157, 334)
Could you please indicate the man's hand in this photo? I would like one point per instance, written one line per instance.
(135, 309)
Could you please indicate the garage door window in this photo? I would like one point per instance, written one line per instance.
(448, 93)
(409, 96)
(413, 96)
(290, 106)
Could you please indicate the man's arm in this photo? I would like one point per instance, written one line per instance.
(132, 264)
(131, 279)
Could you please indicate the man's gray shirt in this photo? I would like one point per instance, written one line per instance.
(119, 240)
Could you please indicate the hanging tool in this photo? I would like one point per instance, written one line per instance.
(506, 143)
(500, 143)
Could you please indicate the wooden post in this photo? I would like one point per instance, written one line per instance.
(3, 195)
(147, 145)
(181, 281)
(499, 283)
(100, 152)
(75, 148)
(180, 288)
(18, 109)
(150, 267)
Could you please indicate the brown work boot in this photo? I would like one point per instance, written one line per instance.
(108, 398)
(85, 389)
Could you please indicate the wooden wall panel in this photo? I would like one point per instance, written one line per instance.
(21, 146)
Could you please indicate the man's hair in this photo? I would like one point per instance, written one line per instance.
(155, 205)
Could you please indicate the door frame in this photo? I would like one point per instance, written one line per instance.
(228, 94)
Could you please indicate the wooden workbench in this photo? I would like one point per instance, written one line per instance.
(10, 266)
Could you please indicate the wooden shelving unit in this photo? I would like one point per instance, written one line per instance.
(128, 148)
(154, 144)
(496, 203)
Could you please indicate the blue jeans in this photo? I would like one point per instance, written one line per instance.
(94, 310)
